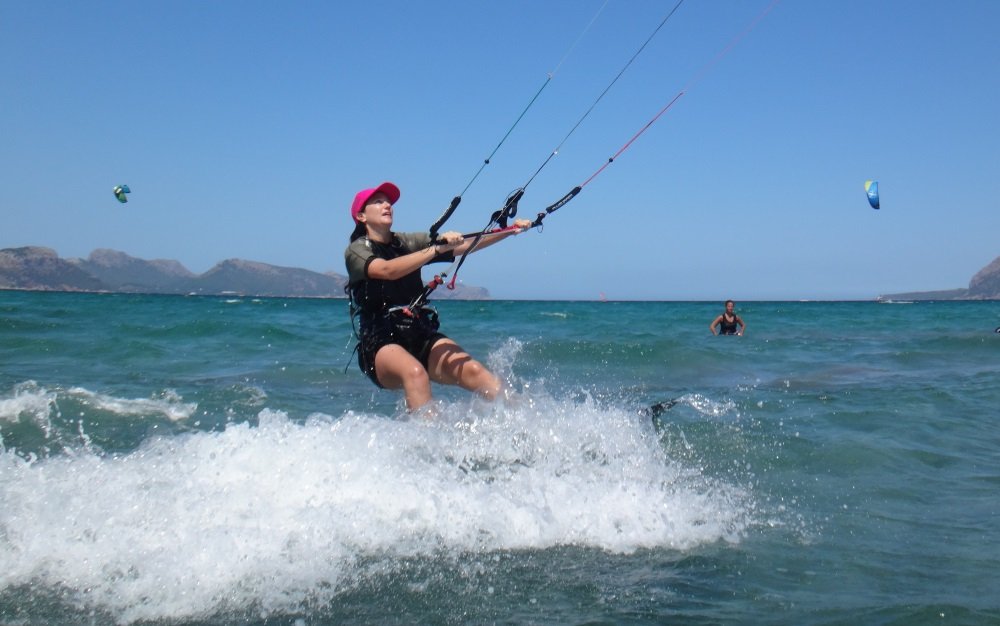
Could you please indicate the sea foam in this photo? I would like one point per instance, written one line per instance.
(289, 513)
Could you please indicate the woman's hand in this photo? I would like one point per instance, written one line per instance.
(448, 241)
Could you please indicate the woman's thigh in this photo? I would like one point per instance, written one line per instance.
(448, 362)
(394, 365)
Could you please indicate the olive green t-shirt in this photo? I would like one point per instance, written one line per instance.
(375, 296)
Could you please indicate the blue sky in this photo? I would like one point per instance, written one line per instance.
(245, 128)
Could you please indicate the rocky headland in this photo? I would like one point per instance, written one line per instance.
(984, 285)
(37, 268)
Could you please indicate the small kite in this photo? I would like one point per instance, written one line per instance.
(120, 192)
(871, 188)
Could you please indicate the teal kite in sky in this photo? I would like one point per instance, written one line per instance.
(120, 192)
(871, 188)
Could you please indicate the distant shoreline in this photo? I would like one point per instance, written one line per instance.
(879, 300)
(37, 268)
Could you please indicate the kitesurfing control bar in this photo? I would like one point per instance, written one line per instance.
(510, 206)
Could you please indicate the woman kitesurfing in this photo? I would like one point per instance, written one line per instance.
(399, 346)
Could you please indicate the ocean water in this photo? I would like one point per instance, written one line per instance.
(208, 460)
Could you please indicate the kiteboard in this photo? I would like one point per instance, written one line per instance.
(658, 409)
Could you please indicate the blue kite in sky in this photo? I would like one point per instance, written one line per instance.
(871, 188)
(120, 191)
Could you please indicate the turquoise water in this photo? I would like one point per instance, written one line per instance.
(172, 460)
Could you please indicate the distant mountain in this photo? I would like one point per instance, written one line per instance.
(261, 279)
(38, 268)
(121, 272)
(985, 285)
(41, 269)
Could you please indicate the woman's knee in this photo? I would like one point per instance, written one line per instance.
(475, 377)
(474, 370)
(452, 365)
(414, 375)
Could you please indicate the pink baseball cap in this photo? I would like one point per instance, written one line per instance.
(392, 191)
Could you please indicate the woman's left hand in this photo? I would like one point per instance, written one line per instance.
(448, 241)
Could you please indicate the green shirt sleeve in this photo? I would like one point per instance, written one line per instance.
(356, 258)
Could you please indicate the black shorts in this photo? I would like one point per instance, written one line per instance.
(415, 333)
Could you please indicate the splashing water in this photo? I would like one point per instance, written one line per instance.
(289, 513)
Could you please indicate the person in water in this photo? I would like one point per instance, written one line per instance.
(728, 322)
(399, 346)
